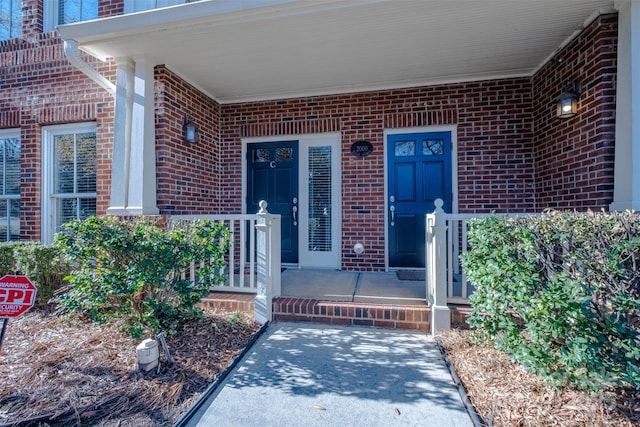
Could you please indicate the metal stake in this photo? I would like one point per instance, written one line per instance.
(4, 327)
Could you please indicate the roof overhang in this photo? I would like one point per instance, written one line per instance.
(237, 51)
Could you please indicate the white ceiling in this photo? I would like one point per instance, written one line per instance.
(254, 50)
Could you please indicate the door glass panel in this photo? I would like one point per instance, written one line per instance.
(261, 155)
(284, 154)
(405, 148)
(320, 199)
(432, 147)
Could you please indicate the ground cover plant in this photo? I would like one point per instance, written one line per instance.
(560, 294)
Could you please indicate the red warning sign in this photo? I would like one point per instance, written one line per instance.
(17, 295)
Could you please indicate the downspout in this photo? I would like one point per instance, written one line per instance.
(72, 53)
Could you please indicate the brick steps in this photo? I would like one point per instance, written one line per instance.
(412, 317)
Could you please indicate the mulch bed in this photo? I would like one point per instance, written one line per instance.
(64, 372)
(504, 394)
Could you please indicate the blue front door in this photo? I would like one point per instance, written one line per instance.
(273, 176)
(419, 171)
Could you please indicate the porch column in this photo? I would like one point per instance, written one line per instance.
(142, 163)
(626, 192)
(133, 177)
(268, 263)
(437, 274)
(121, 137)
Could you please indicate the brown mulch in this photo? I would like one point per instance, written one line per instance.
(504, 394)
(64, 372)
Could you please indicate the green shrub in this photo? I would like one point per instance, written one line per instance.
(7, 258)
(561, 294)
(43, 265)
(132, 269)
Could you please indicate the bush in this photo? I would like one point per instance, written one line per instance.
(40, 263)
(7, 258)
(561, 294)
(44, 267)
(133, 269)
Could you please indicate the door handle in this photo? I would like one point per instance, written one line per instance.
(393, 212)
(294, 210)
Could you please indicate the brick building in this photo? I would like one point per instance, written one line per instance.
(350, 118)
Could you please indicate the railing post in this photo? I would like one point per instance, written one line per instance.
(268, 263)
(437, 277)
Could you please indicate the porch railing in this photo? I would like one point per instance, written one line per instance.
(253, 259)
(240, 269)
(444, 271)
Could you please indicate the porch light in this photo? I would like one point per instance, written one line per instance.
(189, 130)
(568, 101)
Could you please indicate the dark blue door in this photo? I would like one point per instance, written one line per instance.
(273, 176)
(419, 172)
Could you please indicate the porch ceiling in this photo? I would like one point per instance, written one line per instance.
(253, 50)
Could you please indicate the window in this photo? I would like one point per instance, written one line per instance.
(140, 5)
(60, 12)
(70, 11)
(10, 19)
(10, 185)
(69, 175)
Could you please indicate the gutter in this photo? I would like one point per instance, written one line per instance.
(72, 53)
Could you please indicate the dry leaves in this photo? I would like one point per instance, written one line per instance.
(504, 394)
(75, 370)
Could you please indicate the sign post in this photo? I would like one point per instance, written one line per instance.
(17, 295)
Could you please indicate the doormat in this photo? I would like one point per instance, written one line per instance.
(416, 276)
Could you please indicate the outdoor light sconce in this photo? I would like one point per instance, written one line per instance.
(189, 130)
(568, 101)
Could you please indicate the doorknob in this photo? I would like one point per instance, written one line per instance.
(393, 211)
(294, 210)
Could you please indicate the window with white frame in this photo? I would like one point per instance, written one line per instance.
(10, 19)
(60, 12)
(69, 175)
(131, 6)
(10, 185)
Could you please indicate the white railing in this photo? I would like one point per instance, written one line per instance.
(240, 269)
(253, 259)
(445, 242)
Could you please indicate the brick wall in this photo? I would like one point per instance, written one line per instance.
(495, 168)
(39, 87)
(574, 158)
(187, 174)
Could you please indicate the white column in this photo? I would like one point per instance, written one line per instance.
(121, 137)
(440, 313)
(268, 263)
(626, 193)
(142, 162)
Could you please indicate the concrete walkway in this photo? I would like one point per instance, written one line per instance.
(300, 374)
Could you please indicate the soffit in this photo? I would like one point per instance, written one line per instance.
(243, 51)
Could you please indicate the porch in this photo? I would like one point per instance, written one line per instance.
(386, 299)
(430, 299)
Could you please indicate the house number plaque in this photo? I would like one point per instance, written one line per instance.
(361, 148)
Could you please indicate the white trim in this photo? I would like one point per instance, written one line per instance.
(47, 213)
(453, 130)
(338, 90)
(307, 259)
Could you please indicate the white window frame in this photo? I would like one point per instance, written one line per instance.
(48, 205)
(6, 134)
(50, 15)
